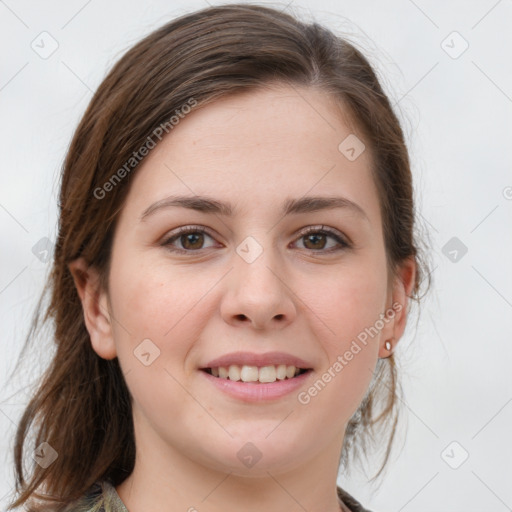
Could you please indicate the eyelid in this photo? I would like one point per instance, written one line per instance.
(191, 228)
(343, 241)
(341, 237)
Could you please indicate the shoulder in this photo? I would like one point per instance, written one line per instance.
(90, 501)
(350, 501)
(100, 497)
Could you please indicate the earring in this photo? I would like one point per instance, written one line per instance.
(388, 346)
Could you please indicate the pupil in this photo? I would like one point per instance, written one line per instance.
(315, 238)
(188, 237)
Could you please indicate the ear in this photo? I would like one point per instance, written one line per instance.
(397, 306)
(95, 307)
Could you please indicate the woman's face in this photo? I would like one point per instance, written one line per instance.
(252, 282)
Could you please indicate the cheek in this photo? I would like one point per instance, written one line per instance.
(350, 301)
(151, 302)
(156, 324)
(349, 307)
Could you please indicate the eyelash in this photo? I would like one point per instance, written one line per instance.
(343, 244)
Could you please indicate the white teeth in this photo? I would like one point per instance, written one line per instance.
(263, 374)
(249, 373)
(267, 374)
(281, 372)
(234, 372)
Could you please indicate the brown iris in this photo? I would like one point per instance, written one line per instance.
(315, 237)
(193, 238)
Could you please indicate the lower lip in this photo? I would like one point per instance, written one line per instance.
(256, 391)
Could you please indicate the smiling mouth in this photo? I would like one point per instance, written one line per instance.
(255, 374)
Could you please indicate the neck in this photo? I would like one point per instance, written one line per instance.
(164, 478)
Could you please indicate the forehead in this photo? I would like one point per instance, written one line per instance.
(256, 148)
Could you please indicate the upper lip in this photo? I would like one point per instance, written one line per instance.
(254, 359)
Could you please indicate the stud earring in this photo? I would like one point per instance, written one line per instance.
(388, 346)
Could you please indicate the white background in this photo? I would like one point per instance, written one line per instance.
(456, 113)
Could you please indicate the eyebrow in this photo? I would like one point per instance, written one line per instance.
(290, 206)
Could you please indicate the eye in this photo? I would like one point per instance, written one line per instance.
(191, 239)
(315, 239)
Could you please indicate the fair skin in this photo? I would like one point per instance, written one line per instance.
(253, 150)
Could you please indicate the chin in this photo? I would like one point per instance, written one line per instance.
(255, 456)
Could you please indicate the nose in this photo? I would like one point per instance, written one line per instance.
(259, 292)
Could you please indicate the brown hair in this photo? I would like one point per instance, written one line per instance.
(82, 407)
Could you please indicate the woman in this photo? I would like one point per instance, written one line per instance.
(232, 274)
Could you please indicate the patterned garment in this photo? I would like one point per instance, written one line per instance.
(350, 501)
(103, 497)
